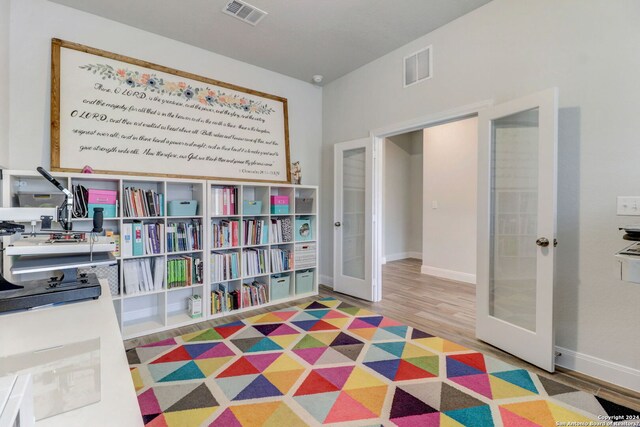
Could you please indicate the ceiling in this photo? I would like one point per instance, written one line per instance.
(298, 38)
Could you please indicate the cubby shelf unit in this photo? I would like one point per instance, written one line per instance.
(154, 311)
(246, 195)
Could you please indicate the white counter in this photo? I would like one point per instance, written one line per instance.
(54, 326)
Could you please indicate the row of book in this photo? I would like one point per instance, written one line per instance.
(143, 275)
(222, 300)
(281, 260)
(281, 230)
(224, 201)
(184, 236)
(224, 266)
(255, 232)
(255, 262)
(254, 294)
(142, 239)
(137, 202)
(184, 271)
(225, 233)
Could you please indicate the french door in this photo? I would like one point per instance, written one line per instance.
(353, 223)
(517, 226)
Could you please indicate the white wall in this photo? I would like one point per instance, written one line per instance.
(4, 82)
(402, 195)
(508, 49)
(35, 22)
(397, 178)
(415, 195)
(450, 180)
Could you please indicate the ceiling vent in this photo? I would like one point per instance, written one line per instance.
(244, 12)
(418, 67)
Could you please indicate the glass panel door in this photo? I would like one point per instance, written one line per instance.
(517, 145)
(353, 202)
(514, 202)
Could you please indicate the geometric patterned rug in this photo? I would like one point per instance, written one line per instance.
(327, 362)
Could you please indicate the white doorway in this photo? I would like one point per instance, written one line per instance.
(402, 194)
(429, 198)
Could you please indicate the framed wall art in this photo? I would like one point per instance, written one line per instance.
(126, 116)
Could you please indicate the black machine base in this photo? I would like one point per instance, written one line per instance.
(39, 293)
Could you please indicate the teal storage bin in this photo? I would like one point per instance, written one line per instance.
(279, 287)
(182, 207)
(251, 207)
(304, 282)
(109, 210)
(279, 209)
(304, 229)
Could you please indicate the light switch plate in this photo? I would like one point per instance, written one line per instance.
(628, 205)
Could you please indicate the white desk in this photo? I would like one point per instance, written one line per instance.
(48, 327)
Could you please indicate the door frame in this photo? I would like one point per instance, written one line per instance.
(377, 137)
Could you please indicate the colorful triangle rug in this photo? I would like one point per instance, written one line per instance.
(327, 362)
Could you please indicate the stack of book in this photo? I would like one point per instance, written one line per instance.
(184, 271)
(255, 262)
(226, 233)
(183, 236)
(281, 260)
(224, 201)
(222, 300)
(254, 294)
(255, 232)
(142, 239)
(137, 202)
(143, 275)
(281, 230)
(224, 266)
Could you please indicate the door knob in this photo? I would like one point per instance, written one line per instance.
(337, 224)
(543, 241)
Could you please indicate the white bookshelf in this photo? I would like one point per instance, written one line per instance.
(153, 311)
(262, 192)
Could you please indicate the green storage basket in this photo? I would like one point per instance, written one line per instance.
(182, 207)
(304, 282)
(251, 207)
(279, 287)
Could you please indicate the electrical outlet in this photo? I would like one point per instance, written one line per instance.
(628, 205)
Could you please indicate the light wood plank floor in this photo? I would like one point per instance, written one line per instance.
(441, 307)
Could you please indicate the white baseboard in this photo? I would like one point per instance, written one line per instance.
(614, 373)
(326, 280)
(448, 274)
(401, 255)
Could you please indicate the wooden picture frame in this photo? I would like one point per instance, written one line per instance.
(121, 115)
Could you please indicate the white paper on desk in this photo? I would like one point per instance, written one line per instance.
(65, 377)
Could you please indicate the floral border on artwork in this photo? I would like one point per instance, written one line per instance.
(153, 83)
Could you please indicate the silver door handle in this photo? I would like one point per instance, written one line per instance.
(543, 241)
(337, 224)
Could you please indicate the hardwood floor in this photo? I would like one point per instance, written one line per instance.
(441, 307)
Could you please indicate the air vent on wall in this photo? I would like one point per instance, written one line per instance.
(244, 12)
(418, 67)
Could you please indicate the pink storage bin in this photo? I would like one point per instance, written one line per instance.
(102, 197)
(279, 200)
